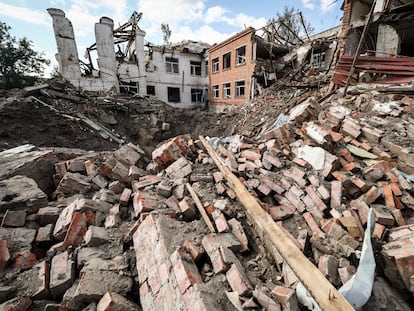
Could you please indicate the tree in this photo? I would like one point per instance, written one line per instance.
(19, 62)
(289, 27)
(166, 31)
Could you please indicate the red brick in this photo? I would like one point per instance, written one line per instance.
(143, 202)
(4, 254)
(91, 169)
(264, 300)
(271, 184)
(218, 177)
(389, 197)
(209, 208)
(314, 181)
(362, 208)
(238, 280)
(396, 189)
(284, 294)
(399, 219)
(25, 260)
(17, 304)
(265, 190)
(185, 270)
(371, 195)
(281, 212)
(338, 175)
(220, 221)
(336, 194)
(195, 251)
(125, 196)
(238, 232)
(76, 230)
(378, 230)
(272, 159)
(351, 225)
(112, 301)
(319, 203)
(303, 239)
(363, 187)
(296, 202)
(14, 218)
(312, 224)
(187, 209)
(336, 137)
(44, 234)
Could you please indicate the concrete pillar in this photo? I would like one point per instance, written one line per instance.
(388, 41)
(67, 55)
(139, 52)
(106, 51)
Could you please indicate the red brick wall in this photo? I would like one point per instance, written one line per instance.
(235, 72)
(346, 18)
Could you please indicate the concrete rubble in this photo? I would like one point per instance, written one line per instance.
(117, 233)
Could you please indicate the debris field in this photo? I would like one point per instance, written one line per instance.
(164, 221)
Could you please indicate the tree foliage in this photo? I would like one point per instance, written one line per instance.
(289, 27)
(19, 62)
(166, 33)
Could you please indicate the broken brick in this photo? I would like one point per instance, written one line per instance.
(185, 270)
(4, 254)
(62, 273)
(238, 231)
(113, 301)
(187, 209)
(238, 280)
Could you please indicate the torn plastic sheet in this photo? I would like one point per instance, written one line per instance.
(358, 289)
(215, 141)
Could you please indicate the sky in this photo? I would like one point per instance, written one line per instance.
(211, 21)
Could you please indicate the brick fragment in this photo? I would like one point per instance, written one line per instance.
(187, 209)
(336, 194)
(220, 221)
(319, 203)
(238, 280)
(62, 273)
(185, 270)
(296, 202)
(44, 234)
(25, 260)
(125, 196)
(195, 251)
(238, 231)
(383, 215)
(14, 218)
(96, 236)
(264, 300)
(180, 168)
(389, 197)
(378, 230)
(312, 224)
(4, 254)
(286, 296)
(371, 195)
(113, 301)
(16, 304)
(76, 230)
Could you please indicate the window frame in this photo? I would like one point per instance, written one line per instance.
(193, 68)
(168, 94)
(237, 88)
(215, 88)
(215, 64)
(243, 57)
(225, 62)
(199, 96)
(227, 89)
(169, 63)
(153, 88)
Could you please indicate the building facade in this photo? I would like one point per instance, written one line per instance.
(175, 74)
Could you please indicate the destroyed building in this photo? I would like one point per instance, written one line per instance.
(376, 42)
(237, 64)
(173, 73)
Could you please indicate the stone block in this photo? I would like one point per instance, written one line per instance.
(112, 301)
(44, 235)
(18, 239)
(75, 183)
(127, 155)
(62, 274)
(34, 283)
(125, 196)
(179, 169)
(96, 236)
(21, 192)
(14, 218)
(48, 215)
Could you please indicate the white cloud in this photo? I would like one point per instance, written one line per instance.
(215, 14)
(308, 4)
(327, 5)
(244, 20)
(204, 33)
(25, 14)
(173, 13)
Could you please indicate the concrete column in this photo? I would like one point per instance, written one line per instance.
(67, 55)
(388, 41)
(106, 51)
(139, 52)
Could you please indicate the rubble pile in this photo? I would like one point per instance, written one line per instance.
(131, 230)
(56, 114)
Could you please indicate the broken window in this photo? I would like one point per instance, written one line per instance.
(195, 68)
(240, 87)
(241, 55)
(171, 64)
(215, 91)
(173, 94)
(196, 95)
(215, 64)
(226, 90)
(226, 60)
(150, 90)
(128, 87)
(318, 61)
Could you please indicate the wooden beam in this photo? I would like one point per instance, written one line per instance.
(200, 207)
(326, 295)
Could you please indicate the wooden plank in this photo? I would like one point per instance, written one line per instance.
(200, 207)
(326, 295)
